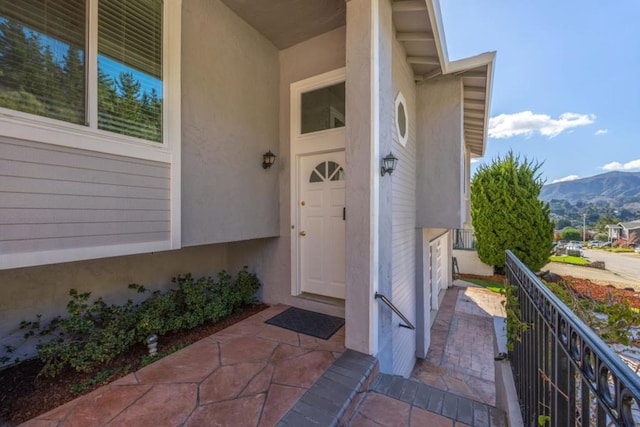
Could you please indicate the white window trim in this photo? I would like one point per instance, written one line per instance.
(307, 85)
(15, 124)
(30, 259)
(313, 142)
(20, 125)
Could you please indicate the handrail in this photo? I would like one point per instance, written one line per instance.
(386, 300)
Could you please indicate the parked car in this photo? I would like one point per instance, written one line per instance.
(594, 244)
(574, 250)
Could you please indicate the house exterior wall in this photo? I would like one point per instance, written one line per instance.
(363, 186)
(272, 257)
(469, 263)
(229, 119)
(403, 252)
(27, 292)
(58, 200)
(440, 154)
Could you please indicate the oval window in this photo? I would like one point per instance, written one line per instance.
(402, 120)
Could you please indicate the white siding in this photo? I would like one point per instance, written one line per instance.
(404, 221)
(54, 198)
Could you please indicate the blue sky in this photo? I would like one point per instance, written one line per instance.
(566, 87)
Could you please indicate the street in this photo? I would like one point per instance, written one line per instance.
(622, 269)
(624, 264)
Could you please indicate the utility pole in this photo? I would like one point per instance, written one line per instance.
(584, 227)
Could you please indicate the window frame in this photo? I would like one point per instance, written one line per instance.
(21, 125)
(402, 139)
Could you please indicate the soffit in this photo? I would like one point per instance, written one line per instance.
(289, 22)
(418, 25)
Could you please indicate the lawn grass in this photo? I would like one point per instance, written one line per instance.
(575, 260)
(492, 286)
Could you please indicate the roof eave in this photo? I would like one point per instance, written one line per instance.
(459, 66)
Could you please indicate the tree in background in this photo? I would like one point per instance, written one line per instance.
(506, 213)
(34, 80)
(571, 234)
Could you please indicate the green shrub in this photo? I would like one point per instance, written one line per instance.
(94, 333)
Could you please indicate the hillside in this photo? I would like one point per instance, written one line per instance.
(617, 189)
(612, 194)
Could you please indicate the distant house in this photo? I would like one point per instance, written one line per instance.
(624, 230)
(148, 161)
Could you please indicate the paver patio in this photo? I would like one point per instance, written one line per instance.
(246, 375)
(252, 374)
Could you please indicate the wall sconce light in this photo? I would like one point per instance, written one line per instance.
(388, 164)
(267, 159)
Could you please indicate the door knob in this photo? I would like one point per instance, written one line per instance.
(303, 233)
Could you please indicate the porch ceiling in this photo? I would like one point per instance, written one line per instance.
(418, 25)
(289, 22)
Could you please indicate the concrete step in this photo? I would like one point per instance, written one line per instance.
(333, 398)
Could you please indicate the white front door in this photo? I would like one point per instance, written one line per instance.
(322, 217)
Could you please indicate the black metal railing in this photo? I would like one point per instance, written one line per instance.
(464, 239)
(565, 374)
(407, 324)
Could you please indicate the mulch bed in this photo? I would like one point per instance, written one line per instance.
(607, 293)
(584, 287)
(24, 396)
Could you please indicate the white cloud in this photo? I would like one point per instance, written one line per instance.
(617, 166)
(601, 131)
(475, 160)
(526, 123)
(566, 178)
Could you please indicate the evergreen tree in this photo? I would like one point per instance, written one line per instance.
(506, 213)
(73, 83)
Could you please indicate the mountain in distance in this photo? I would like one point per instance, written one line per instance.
(615, 189)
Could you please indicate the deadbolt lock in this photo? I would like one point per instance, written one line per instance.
(302, 203)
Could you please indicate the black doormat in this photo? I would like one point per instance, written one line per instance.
(307, 322)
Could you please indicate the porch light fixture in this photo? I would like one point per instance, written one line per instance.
(267, 159)
(388, 164)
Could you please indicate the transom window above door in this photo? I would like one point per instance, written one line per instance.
(323, 109)
(327, 171)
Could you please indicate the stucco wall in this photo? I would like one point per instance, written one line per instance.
(440, 154)
(27, 292)
(469, 263)
(272, 257)
(229, 119)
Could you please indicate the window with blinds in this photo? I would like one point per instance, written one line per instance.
(45, 54)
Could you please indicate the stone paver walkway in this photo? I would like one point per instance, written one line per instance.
(455, 386)
(249, 374)
(396, 401)
(462, 352)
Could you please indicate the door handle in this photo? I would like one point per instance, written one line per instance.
(303, 233)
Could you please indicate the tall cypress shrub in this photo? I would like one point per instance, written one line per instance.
(506, 213)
